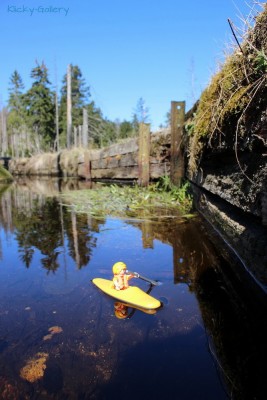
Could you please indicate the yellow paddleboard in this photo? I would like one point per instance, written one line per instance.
(132, 295)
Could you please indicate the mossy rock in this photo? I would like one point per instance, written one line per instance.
(231, 111)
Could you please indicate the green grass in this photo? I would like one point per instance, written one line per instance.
(155, 201)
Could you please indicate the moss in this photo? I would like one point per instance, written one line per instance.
(224, 105)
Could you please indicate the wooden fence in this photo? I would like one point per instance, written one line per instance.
(143, 158)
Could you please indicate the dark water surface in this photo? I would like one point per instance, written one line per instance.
(60, 337)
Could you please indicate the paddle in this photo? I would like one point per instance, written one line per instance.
(137, 275)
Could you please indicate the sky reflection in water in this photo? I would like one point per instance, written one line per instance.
(49, 307)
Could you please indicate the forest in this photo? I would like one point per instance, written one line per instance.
(35, 120)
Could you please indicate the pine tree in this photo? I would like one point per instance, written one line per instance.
(16, 87)
(16, 106)
(141, 111)
(101, 131)
(41, 107)
(16, 120)
(80, 94)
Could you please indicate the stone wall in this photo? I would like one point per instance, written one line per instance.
(243, 235)
(220, 174)
(118, 161)
(232, 197)
(227, 140)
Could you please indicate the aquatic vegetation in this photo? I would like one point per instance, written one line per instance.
(34, 368)
(48, 336)
(53, 330)
(131, 201)
(180, 194)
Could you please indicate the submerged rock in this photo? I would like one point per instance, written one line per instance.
(34, 368)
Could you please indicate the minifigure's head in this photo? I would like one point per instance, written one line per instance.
(118, 267)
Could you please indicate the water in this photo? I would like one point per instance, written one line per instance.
(60, 337)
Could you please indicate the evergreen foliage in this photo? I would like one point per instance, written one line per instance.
(31, 119)
(16, 118)
(80, 94)
(16, 87)
(40, 106)
(126, 129)
(15, 102)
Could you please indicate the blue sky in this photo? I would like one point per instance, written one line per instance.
(126, 49)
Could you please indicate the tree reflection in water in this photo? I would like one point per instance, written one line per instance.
(46, 226)
(95, 351)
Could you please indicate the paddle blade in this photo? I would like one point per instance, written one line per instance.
(154, 283)
(137, 275)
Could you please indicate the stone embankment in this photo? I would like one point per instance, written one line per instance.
(117, 162)
(227, 149)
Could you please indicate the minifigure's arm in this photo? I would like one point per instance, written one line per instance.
(130, 276)
(116, 283)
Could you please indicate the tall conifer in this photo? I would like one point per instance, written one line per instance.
(16, 117)
(80, 94)
(16, 105)
(41, 107)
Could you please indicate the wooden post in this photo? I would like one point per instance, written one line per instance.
(85, 128)
(56, 143)
(69, 107)
(79, 136)
(4, 145)
(87, 166)
(57, 123)
(147, 234)
(144, 153)
(177, 159)
(75, 136)
(80, 129)
(75, 238)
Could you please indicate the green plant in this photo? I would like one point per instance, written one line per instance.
(189, 128)
(164, 183)
(182, 193)
(261, 62)
(132, 201)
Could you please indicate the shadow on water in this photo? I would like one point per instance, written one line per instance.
(60, 338)
(160, 363)
(237, 328)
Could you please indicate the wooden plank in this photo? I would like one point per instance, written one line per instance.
(115, 173)
(125, 147)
